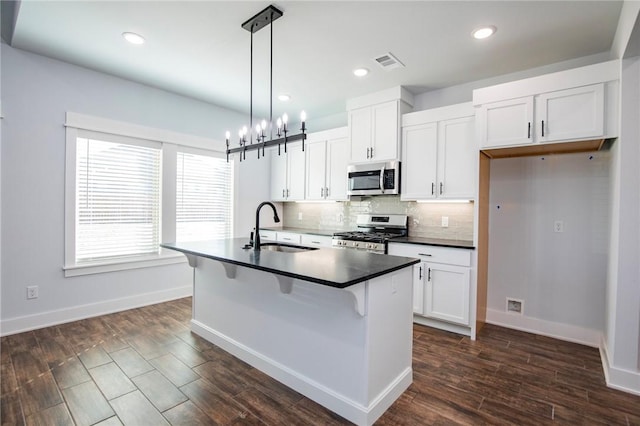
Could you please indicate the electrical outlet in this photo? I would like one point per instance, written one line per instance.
(445, 221)
(32, 292)
(299, 215)
(558, 226)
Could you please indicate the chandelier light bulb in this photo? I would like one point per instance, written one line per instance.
(240, 134)
(227, 135)
(279, 122)
(244, 130)
(303, 116)
(285, 118)
(258, 129)
(263, 124)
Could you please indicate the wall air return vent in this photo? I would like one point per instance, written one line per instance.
(388, 62)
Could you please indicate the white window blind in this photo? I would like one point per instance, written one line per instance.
(117, 200)
(203, 197)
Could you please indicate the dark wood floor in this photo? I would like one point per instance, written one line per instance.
(144, 367)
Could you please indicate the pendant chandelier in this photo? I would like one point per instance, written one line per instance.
(247, 137)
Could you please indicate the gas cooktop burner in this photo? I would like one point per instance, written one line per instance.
(375, 231)
(377, 237)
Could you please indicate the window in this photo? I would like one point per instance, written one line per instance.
(128, 188)
(117, 200)
(203, 197)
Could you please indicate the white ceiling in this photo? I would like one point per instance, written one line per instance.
(199, 49)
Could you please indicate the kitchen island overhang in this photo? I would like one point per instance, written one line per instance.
(334, 325)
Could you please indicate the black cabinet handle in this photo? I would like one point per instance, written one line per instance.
(529, 131)
(429, 275)
(440, 188)
(424, 254)
(543, 128)
(433, 188)
(420, 278)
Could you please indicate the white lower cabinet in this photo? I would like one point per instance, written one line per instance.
(267, 235)
(312, 240)
(441, 282)
(288, 237)
(307, 240)
(446, 293)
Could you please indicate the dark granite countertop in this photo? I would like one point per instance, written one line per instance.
(326, 266)
(325, 232)
(463, 244)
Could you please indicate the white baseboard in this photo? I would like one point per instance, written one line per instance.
(347, 408)
(443, 325)
(570, 333)
(75, 313)
(617, 378)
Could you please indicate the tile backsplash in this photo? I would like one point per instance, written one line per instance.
(425, 219)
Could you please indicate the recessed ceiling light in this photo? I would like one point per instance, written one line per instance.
(484, 32)
(360, 72)
(284, 97)
(133, 38)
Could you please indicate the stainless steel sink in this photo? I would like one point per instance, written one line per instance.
(285, 248)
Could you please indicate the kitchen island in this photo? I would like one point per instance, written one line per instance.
(334, 325)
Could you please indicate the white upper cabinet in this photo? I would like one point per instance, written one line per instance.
(287, 173)
(570, 114)
(457, 158)
(567, 106)
(278, 175)
(374, 132)
(360, 131)
(316, 165)
(295, 172)
(506, 123)
(337, 162)
(326, 172)
(419, 158)
(374, 125)
(439, 154)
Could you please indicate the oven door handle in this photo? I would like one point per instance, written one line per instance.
(382, 179)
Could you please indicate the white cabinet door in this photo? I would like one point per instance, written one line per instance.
(446, 294)
(456, 158)
(288, 237)
(506, 123)
(418, 288)
(311, 240)
(419, 157)
(278, 176)
(336, 169)
(385, 118)
(360, 129)
(315, 171)
(570, 114)
(295, 170)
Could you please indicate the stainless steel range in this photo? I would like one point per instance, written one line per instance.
(374, 230)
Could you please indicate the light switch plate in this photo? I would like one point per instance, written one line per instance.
(445, 221)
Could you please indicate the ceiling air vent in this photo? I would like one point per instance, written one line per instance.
(388, 61)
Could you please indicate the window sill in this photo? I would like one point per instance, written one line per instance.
(123, 264)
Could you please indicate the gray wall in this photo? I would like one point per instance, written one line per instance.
(36, 94)
(561, 277)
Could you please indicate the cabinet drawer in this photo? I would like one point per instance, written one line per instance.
(267, 235)
(451, 256)
(315, 240)
(288, 237)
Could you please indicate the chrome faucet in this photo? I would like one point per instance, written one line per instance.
(276, 219)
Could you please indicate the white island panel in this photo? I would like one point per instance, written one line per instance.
(313, 339)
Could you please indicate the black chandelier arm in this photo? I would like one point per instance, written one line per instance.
(262, 145)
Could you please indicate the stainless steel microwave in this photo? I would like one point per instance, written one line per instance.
(374, 178)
